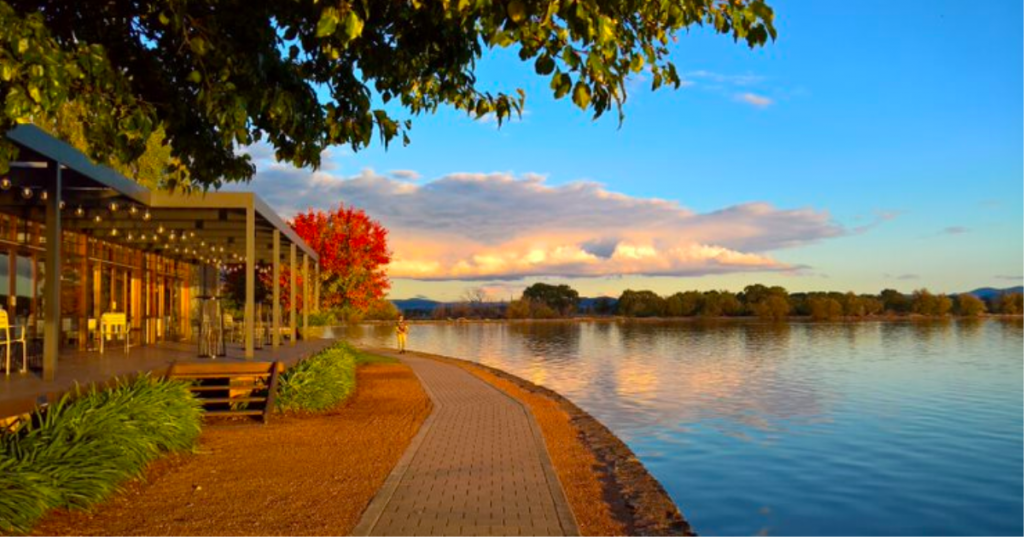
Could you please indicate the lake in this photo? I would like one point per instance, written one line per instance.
(868, 428)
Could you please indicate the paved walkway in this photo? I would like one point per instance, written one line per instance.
(478, 466)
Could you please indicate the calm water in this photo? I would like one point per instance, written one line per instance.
(867, 428)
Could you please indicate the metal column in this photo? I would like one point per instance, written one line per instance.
(305, 296)
(51, 310)
(275, 338)
(250, 282)
(292, 295)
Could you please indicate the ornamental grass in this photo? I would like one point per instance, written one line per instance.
(77, 452)
(320, 382)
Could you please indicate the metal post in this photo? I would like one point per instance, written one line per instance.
(250, 282)
(51, 311)
(275, 338)
(305, 296)
(292, 295)
(316, 286)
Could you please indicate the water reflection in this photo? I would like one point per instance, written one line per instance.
(812, 421)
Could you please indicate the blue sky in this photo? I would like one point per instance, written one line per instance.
(896, 125)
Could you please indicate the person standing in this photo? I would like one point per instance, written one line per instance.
(401, 331)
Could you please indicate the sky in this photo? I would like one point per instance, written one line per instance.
(873, 145)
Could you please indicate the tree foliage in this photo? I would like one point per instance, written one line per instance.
(353, 252)
(561, 299)
(304, 75)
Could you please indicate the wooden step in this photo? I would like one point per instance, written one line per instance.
(201, 376)
(206, 400)
(226, 387)
(219, 413)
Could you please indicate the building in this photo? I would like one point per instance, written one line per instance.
(153, 256)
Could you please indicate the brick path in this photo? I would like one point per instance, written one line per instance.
(477, 467)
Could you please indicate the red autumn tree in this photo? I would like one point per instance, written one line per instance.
(353, 252)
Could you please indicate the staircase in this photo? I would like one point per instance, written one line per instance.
(229, 389)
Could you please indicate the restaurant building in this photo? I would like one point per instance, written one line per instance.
(79, 241)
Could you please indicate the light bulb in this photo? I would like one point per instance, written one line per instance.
(5, 183)
(26, 192)
(79, 212)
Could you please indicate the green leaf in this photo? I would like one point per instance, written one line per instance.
(581, 95)
(353, 25)
(544, 65)
(516, 11)
(328, 22)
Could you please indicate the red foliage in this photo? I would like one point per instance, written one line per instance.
(353, 254)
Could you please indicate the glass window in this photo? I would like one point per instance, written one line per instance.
(5, 279)
(23, 289)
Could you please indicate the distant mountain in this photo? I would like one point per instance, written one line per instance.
(406, 304)
(986, 293)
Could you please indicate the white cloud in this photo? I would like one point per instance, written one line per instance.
(753, 99)
(472, 226)
(408, 175)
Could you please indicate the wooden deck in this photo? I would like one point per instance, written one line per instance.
(20, 392)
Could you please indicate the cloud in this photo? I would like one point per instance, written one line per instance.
(1009, 277)
(954, 230)
(500, 227)
(408, 175)
(719, 78)
(753, 99)
(903, 277)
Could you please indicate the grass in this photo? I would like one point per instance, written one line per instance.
(78, 451)
(320, 382)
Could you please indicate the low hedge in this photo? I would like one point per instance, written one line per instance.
(319, 382)
(78, 451)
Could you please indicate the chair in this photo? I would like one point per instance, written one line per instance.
(6, 329)
(112, 325)
(230, 327)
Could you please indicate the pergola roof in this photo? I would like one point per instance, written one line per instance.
(205, 226)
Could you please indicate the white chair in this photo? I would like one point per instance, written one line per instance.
(6, 329)
(113, 325)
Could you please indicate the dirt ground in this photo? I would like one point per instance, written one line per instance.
(297, 475)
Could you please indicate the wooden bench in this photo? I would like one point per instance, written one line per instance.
(231, 388)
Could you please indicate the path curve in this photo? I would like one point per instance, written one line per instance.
(478, 466)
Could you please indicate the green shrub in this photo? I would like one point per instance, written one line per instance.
(79, 450)
(319, 382)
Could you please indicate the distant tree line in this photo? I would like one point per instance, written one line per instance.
(775, 303)
(545, 301)
(548, 301)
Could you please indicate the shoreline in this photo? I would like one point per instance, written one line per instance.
(637, 500)
(800, 319)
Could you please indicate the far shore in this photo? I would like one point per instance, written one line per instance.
(745, 318)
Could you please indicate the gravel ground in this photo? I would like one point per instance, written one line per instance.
(297, 475)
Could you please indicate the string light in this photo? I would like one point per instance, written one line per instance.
(5, 183)
(113, 232)
(160, 229)
(79, 212)
(146, 216)
(26, 192)
(133, 210)
(44, 196)
(97, 219)
(112, 206)
(61, 205)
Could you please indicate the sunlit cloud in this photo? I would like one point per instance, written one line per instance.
(499, 227)
(753, 99)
